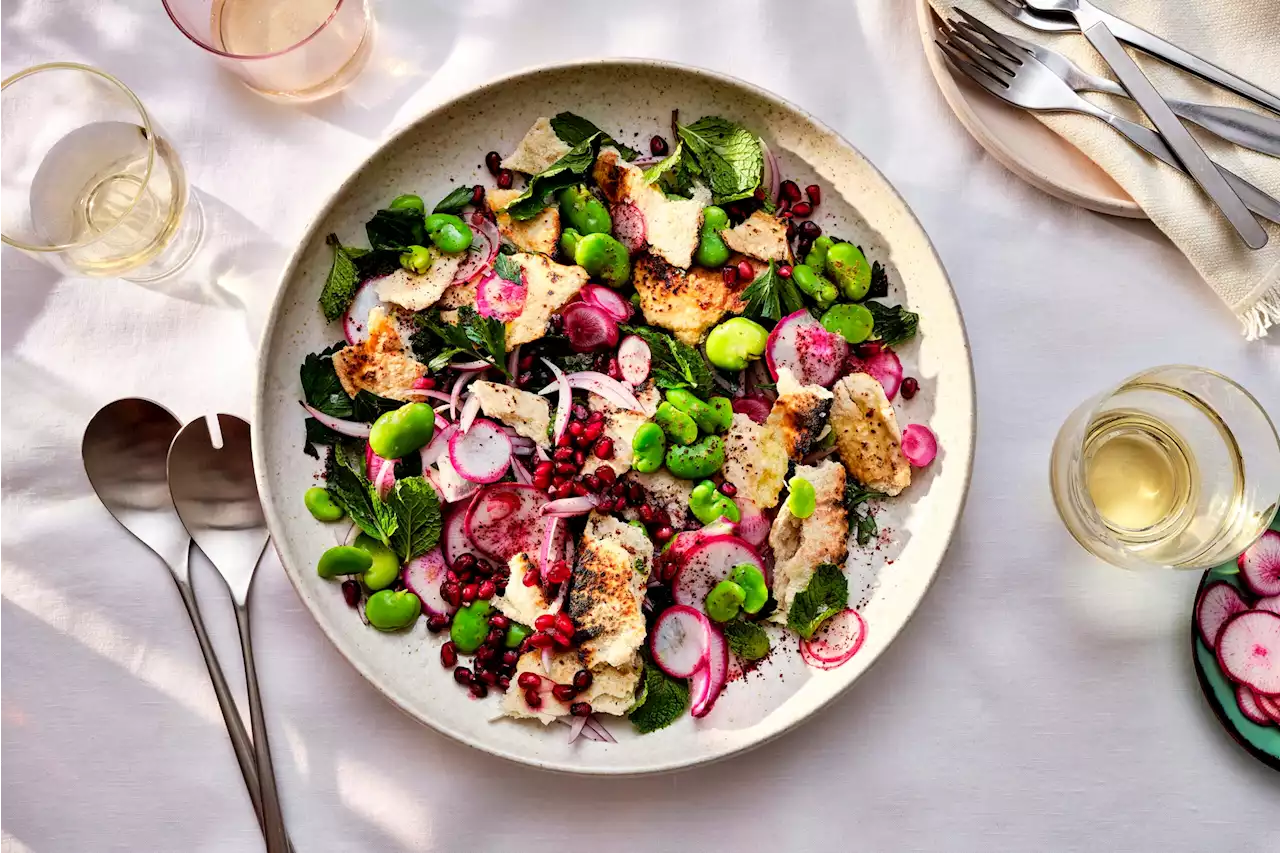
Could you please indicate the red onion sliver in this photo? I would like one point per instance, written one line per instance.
(470, 365)
(570, 506)
(438, 446)
(593, 723)
(469, 411)
(775, 172)
(546, 556)
(429, 392)
(597, 383)
(386, 479)
(546, 662)
(351, 429)
(576, 727)
(483, 250)
(565, 404)
(558, 604)
(455, 394)
(521, 473)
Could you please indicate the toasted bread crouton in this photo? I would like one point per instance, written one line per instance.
(538, 150)
(801, 544)
(378, 363)
(867, 434)
(612, 690)
(527, 413)
(606, 589)
(799, 415)
(671, 225)
(686, 303)
(761, 236)
(755, 460)
(538, 235)
(418, 292)
(550, 285)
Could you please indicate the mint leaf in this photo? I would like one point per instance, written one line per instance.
(368, 406)
(860, 517)
(771, 296)
(396, 229)
(572, 129)
(728, 156)
(458, 198)
(856, 494)
(747, 640)
(316, 433)
(674, 364)
(566, 171)
(482, 337)
(663, 701)
(417, 511)
(676, 172)
(505, 268)
(320, 385)
(353, 492)
(825, 596)
(893, 324)
(341, 285)
(375, 263)
(441, 359)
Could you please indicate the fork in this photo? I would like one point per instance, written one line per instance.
(1243, 127)
(1021, 79)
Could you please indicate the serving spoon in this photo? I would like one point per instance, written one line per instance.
(216, 496)
(125, 447)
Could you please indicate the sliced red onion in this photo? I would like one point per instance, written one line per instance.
(521, 445)
(566, 507)
(351, 429)
(438, 446)
(547, 555)
(597, 383)
(546, 664)
(469, 411)
(773, 174)
(350, 536)
(575, 728)
(484, 248)
(513, 363)
(441, 420)
(594, 724)
(521, 473)
(470, 365)
(386, 479)
(558, 604)
(455, 394)
(429, 393)
(607, 300)
(565, 404)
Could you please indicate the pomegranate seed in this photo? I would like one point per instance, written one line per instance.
(728, 489)
(615, 369)
(746, 272)
(662, 534)
(469, 592)
(437, 622)
(802, 210)
(509, 658)
(730, 274)
(646, 513)
(658, 147)
(499, 621)
(503, 683)
(758, 195)
(594, 431)
(564, 624)
(541, 641)
(501, 588)
(485, 653)
(424, 382)
(576, 429)
(566, 467)
(790, 191)
(810, 229)
(541, 481)
(530, 578)
(581, 679)
(493, 162)
(464, 562)
(477, 195)
(579, 458)
(484, 568)
(451, 576)
(564, 490)
(532, 698)
(591, 482)
(479, 690)
(784, 271)
(636, 493)
(791, 231)
(562, 454)
(524, 380)
(489, 677)
(558, 573)
(505, 179)
(448, 655)
(580, 709)
(487, 590)
(868, 349)
(606, 474)
(580, 489)
(545, 622)
(560, 640)
(529, 680)
(595, 418)
(579, 412)
(351, 593)
(544, 468)
(814, 192)
(451, 593)
(564, 692)
(662, 518)
(462, 675)
(604, 448)
(910, 386)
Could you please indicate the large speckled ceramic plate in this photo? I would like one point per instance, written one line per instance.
(632, 99)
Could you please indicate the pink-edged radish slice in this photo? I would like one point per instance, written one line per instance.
(1260, 565)
(1218, 602)
(884, 366)
(1249, 650)
(919, 445)
(505, 520)
(753, 526)
(755, 407)
(438, 447)
(484, 248)
(835, 641)
(422, 575)
(1269, 705)
(682, 543)
(500, 299)
(482, 454)
(453, 537)
(607, 300)
(1247, 702)
(1271, 604)
(708, 563)
(812, 354)
(451, 485)
(680, 641)
(629, 226)
(589, 327)
(634, 359)
(707, 682)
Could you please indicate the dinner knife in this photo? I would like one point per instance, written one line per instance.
(1185, 148)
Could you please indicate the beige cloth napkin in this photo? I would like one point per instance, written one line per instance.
(1242, 36)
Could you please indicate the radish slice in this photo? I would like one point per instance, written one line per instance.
(422, 575)
(1247, 702)
(505, 520)
(634, 359)
(835, 641)
(629, 226)
(708, 563)
(438, 446)
(708, 682)
(606, 300)
(484, 248)
(772, 177)
(453, 487)
(1260, 565)
(481, 455)
(1218, 602)
(753, 407)
(453, 538)
(589, 327)
(351, 429)
(884, 366)
(800, 343)
(1269, 705)
(681, 641)
(564, 405)
(754, 525)
(500, 299)
(1271, 604)
(613, 391)
(566, 507)
(919, 445)
(1249, 650)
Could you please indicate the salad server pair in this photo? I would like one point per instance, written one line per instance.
(167, 485)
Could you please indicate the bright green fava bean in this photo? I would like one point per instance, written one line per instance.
(384, 565)
(714, 415)
(700, 459)
(516, 634)
(648, 447)
(391, 610)
(320, 505)
(398, 433)
(408, 202)
(708, 504)
(848, 266)
(678, 426)
(583, 211)
(803, 500)
(470, 626)
(851, 322)
(604, 259)
(343, 560)
(815, 285)
(724, 600)
(449, 233)
(817, 257)
(712, 251)
(752, 582)
(734, 343)
(417, 259)
(569, 242)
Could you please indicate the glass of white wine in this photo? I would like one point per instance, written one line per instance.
(287, 50)
(90, 184)
(1177, 466)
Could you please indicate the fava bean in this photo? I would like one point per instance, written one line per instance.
(515, 635)
(384, 567)
(698, 460)
(678, 426)
(470, 626)
(736, 342)
(850, 321)
(392, 610)
(817, 257)
(848, 266)
(712, 251)
(815, 285)
(343, 560)
(400, 432)
(416, 259)
(604, 259)
(569, 242)
(724, 600)
(712, 416)
(648, 447)
(803, 500)
(449, 233)
(751, 579)
(320, 505)
(408, 202)
(583, 211)
(709, 504)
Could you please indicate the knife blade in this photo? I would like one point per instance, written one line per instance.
(1185, 148)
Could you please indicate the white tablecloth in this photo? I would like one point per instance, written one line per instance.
(1038, 701)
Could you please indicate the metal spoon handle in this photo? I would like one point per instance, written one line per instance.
(273, 819)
